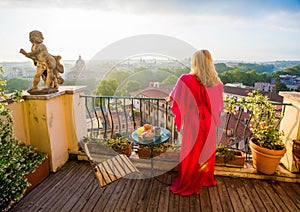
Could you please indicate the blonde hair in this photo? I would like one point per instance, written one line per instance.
(203, 67)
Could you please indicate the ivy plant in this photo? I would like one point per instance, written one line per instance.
(16, 158)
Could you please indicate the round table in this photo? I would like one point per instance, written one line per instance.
(164, 136)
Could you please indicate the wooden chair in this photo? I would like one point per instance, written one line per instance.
(111, 169)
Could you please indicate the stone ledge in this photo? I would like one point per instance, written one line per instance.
(248, 171)
(291, 95)
(61, 91)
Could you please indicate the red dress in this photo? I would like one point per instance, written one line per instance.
(196, 109)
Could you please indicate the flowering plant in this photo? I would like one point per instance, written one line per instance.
(231, 104)
(264, 121)
(267, 136)
(16, 158)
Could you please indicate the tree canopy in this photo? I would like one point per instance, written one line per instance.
(17, 84)
(107, 87)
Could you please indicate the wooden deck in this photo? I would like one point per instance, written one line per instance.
(74, 188)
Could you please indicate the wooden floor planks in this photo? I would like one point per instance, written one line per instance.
(74, 188)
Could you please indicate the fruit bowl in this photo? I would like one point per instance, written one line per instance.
(148, 135)
(148, 138)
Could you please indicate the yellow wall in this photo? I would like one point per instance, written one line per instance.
(20, 129)
(290, 125)
(75, 117)
(53, 123)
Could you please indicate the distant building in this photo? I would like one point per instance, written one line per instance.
(238, 92)
(264, 86)
(154, 84)
(16, 73)
(288, 79)
(160, 118)
(79, 71)
(291, 81)
(236, 85)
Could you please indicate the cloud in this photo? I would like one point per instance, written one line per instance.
(282, 15)
(163, 6)
(216, 25)
(284, 21)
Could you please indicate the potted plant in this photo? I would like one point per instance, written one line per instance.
(266, 143)
(144, 150)
(121, 145)
(17, 159)
(296, 153)
(229, 157)
(172, 152)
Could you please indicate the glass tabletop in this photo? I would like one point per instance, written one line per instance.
(164, 135)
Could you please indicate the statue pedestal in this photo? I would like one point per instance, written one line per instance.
(42, 91)
(53, 123)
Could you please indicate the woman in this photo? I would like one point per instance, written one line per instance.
(197, 103)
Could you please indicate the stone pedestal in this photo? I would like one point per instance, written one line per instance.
(290, 125)
(53, 123)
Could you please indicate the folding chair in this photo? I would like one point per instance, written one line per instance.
(112, 169)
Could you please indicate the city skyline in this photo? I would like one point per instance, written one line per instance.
(231, 30)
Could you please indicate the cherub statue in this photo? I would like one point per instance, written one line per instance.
(47, 66)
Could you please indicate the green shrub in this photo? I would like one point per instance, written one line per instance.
(16, 158)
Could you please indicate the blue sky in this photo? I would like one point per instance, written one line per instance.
(231, 30)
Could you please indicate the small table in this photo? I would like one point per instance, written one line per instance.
(164, 136)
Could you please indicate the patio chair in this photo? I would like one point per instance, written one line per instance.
(111, 169)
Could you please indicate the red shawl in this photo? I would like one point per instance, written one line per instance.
(196, 109)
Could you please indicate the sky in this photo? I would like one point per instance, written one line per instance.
(231, 30)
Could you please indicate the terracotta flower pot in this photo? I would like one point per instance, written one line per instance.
(144, 153)
(126, 151)
(296, 153)
(265, 160)
(238, 161)
(38, 174)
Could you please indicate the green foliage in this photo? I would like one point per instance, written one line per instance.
(179, 71)
(91, 83)
(16, 158)
(247, 78)
(133, 85)
(295, 70)
(254, 66)
(122, 92)
(248, 73)
(17, 84)
(118, 144)
(1, 73)
(263, 122)
(222, 67)
(226, 152)
(279, 86)
(170, 80)
(119, 75)
(107, 87)
(157, 148)
(121, 83)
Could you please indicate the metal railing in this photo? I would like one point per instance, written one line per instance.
(108, 116)
(237, 127)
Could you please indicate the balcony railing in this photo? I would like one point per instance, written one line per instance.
(237, 127)
(110, 115)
